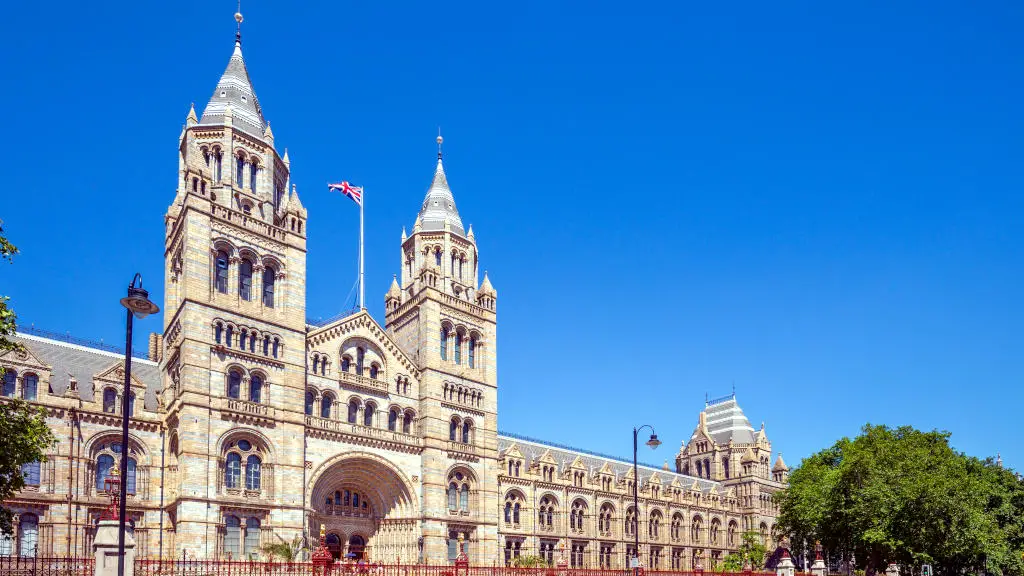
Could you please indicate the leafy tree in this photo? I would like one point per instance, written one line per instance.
(294, 551)
(22, 426)
(751, 550)
(526, 561)
(903, 495)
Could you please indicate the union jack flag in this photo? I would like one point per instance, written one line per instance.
(353, 192)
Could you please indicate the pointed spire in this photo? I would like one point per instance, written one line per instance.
(486, 288)
(748, 456)
(780, 465)
(294, 204)
(191, 119)
(404, 235)
(470, 234)
(665, 466)
(438, 211)
(287, 161)
(395, 291)
(235, 90)
(268, 134)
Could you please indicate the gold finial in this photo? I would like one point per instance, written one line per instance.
(115, 471)
(439, 141)
(323, 530)
(238, 19)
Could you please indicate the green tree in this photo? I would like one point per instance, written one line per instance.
(22, 425)
(903, 495)
(293, 551)
(750, 551)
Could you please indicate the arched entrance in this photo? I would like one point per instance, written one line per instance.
(368, 499)
(333, 542)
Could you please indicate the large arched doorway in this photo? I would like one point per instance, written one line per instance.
(368, 499)
(333, 542)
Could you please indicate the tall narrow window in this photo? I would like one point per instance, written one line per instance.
(464, 498)
(218, 332)
(255, 388)
(472, 351)
(266, 345)
(109, 400)
(28, 534)
(218, 162)
(353, 410)
(444, 343)
(252, 176)
(234, 384)
(221, 272)
(407, 423)
(131, 404)
(129, 476)
(31, 389)
(467, 426)
(393, 420)
(252, 472)
(309, 403)
(458, 348)
(453, 496)
(239, 170)
(269, 277)
(242, 338)
(316, 364)
(103, 465)
(325, 406)
(437, 257)
(368, 415)
(245, 279)
(346, 363)
(276, 344)
(10, 381)
(453, 429)
(232, 536)
(360, 357)
(229, 337)
(252, 537)
(374, 371)
(233, 470)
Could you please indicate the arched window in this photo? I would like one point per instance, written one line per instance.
(353, 411)
(252, 176)
(234, 384)
(695, 529)
(368, 415)
(464, 498)
(630, 521)
(103, 465)
(472, 351)
(239, 170)
(453, 429)
(360, 357)
(6, 545)
(276, 344)
(252, 472)
(233, 470)
(453, 496)
(444, 342)
(393, 420)
(713, 533)
(229, 337)
(221, 272)
(218, 332)
(437, 257)
(131, 404)
(218, 159)
(407, 423)
(30, 472)
(310, 399)
(337, 497)
(374, 371)
(325, 406)
(245, 280)
(269, 278)
(467, 427)
(508, 512)
(255, 388)
(515, 512)
(10, 382)
(458, 348)
(28, 535)
(346, 363)
(109, 400)
(731, 534)
(31, 383)
(242, 338)
(316, 364)
(232, 536)
(266, 345)
(252, 537)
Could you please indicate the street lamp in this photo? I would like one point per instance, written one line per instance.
(653, 443)
(138, 304)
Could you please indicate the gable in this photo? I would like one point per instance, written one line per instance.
(331, 339)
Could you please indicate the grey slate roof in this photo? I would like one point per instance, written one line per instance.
(726, 421)
(534, 449)
(439, 205)
(68, 360)
(235, 90)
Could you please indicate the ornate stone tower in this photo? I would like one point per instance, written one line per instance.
(234, 322)
(446, 323)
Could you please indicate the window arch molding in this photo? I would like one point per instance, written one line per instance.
(107, 445)
(250, 434)
(223, 244)
(260, 376)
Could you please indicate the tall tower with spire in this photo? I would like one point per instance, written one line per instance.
(445, 319)
(233, 362)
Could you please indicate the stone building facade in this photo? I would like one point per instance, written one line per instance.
(250, 425)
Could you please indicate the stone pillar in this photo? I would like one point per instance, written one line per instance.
(785, 567)
(818, 568)
(104, 547)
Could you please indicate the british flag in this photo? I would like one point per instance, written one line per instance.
(353, 192)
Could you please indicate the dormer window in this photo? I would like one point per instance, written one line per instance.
(223, 94)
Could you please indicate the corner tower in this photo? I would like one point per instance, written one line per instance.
(233, 361)
(446, 321)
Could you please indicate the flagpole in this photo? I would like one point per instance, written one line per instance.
(362, 287)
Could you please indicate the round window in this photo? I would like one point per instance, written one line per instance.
(244, 445)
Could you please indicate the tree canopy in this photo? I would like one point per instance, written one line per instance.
(903, 495)
(22, 425)
(751, 552)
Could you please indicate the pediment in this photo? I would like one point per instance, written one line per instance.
(654, 479)
(547, 458)
(513, 452)
(24, 358)
(695, 487)
(329, 339)
(607, 469)
(114, 374)
(676, 483)
(577, 464)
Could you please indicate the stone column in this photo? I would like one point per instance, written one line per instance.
(818, 568)
(786, 566)
(104, 547)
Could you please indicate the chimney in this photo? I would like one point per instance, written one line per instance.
(156, 347)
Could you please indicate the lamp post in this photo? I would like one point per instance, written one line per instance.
(653, 443)
(137, 303)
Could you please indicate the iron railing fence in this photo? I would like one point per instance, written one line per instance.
(36, 566)
(181, 567)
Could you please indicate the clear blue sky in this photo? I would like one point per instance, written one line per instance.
(819, 203)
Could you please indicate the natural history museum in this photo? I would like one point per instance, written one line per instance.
(250, 425)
